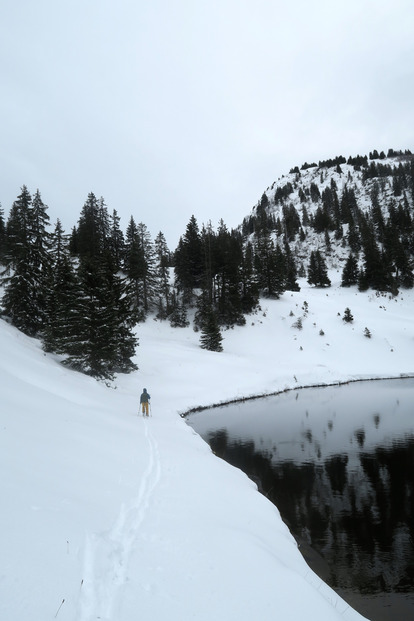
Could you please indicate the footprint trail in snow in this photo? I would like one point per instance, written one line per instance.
(107, 555)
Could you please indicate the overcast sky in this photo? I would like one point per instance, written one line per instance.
(169, 108)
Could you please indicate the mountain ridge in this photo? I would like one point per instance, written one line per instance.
(318, 193)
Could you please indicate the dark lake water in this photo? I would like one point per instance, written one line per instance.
(338, 462)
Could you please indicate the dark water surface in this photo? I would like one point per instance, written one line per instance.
(339, 464)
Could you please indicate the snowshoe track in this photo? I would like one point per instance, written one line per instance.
(107, 554)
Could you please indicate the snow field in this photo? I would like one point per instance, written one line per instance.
(121, 517)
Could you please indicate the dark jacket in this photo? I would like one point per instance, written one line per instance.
(145, 397)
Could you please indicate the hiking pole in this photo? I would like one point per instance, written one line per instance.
(150, 408)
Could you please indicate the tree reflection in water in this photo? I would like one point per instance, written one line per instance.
(360, 518)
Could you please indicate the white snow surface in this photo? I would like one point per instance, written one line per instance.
(108, 515)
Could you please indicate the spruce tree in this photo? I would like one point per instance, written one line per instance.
(269, 265)
(134, 267)
(317, 270)
(350, 272)
(63, 295)
(291, 222)
(18, 302)
(178, 314)
(374, 261)
(27, 274)
(322, 221)
(291, 283)
(162, 268)
(103, 342)
(149, 276)
(188, 260)
(348, 206)
(211, 338)
(140, 268)
(203, 306)
(89, 242)
(348, 316)
(17, 227)
(39, 223)
(249, 288)
(397, 253)
(279, 271)
(227, 260)
(210, 261)
(100, 340)
(116, 240)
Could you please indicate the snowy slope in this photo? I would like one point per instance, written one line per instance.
(108, 515)
(350, 177)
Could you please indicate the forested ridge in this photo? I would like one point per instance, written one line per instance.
(84, 292)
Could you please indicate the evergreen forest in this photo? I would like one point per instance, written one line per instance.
(84, 292)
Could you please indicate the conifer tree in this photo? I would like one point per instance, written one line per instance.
(314, 192)
(203, 308)
(269, 265)
(100, 340)
(134, 267)
(189, 260)
(350, 272)
(63, 296)
(317, 270)
(89, 240)
(104, 227)
(210, 256)
(140, 268)
(291, 272)
(398, 258)
(178, 316)
(73, 241)
(348, 316)
(279, 271)
(116, 240)
(375, 269)
(211, 338)
(377, 215)
(103, 342)
(162, 255)
(17, 227)
(249, 288)
(85, 348)
(363, 283)
(291, 222)
(26, 278)
(149, 276)
(122, 340)
(354, 238)
(227, 260)
(305, 216)
(348, 206)
(40, 258)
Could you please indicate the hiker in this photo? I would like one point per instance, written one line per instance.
(145, 397)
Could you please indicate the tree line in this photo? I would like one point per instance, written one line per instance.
(83, 293)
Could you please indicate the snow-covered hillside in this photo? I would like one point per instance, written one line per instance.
(107, 515)
(302, 189)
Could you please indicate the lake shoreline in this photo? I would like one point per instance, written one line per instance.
(202, 408)
(251, 437)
